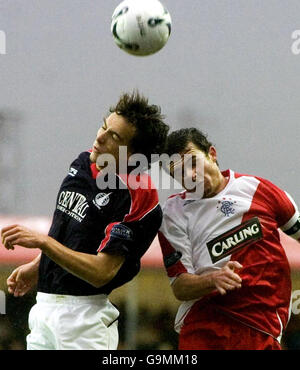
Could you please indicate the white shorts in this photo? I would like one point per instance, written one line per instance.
(65, 322)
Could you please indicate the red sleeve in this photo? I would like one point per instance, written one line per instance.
(281, 203)
(171, 257)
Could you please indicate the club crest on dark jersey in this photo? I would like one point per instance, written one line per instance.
(101, 200)
(238, 237)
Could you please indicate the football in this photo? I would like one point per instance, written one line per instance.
(141, 27)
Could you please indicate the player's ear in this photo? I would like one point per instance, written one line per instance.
(212, 153)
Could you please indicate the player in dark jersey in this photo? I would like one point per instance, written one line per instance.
(97, 236)
(222, 252)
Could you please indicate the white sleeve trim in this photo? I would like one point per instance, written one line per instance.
(292, 227)
(291, 222)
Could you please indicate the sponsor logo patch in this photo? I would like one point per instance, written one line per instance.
(73, 204)
(172, 258)
(234, 239)
(72, 172)
(121, 231)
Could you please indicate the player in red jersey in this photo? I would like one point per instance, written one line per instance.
(222, 252)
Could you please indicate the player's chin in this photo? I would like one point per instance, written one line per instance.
(93, 157)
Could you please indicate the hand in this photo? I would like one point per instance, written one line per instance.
(22, 279)
(19, 235)
(226, 279)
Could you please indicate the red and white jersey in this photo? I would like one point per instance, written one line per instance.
(240, 223)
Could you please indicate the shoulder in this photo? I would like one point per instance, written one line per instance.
(264, 183)
(143, 194)
(238, 175)
(141, 184)
(82, 158)
(252, 180)
(174, 204)
(177, 198)
(85, 156)
(81, 162)
(269, 193)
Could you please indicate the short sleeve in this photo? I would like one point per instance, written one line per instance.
(284, 208)
(292, 226)
(136, 219)
(174, 242)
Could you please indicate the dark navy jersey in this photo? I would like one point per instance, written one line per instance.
(123, 221)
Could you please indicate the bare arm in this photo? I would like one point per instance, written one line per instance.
(97, 270)
(191, 286)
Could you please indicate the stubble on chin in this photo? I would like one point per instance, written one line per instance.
(93, 157)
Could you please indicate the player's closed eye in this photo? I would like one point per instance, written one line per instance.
(115, 137)
(113, 134)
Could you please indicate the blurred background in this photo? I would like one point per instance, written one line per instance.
(228, 68)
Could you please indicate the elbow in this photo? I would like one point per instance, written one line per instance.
(185, 296)
(180, 297)
(105, 269)
(97, 284)
(179, 294)
(182, 290)
(179, 289)
(100, 281)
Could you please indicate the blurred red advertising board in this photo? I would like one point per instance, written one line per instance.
(152, 258)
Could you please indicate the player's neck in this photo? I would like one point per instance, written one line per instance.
(219, 183)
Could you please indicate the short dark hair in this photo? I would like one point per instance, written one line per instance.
(178, 140)
(152, 131)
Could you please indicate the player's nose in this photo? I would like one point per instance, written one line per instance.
(101, 137)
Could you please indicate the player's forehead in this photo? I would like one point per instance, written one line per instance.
(186, 157)
(192, 149)
(120, 125)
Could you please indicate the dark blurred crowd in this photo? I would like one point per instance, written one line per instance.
(13, 325)
(154, 329)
